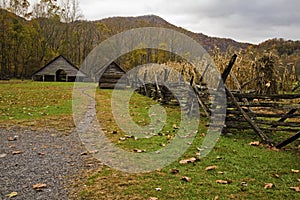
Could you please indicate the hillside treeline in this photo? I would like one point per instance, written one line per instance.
(32, 36)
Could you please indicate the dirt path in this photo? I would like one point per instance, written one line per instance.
(32, 157)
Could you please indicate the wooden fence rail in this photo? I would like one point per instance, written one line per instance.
(262, 113)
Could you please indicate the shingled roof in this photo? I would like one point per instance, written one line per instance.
(60, 63)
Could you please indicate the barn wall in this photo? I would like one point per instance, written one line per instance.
(59, 63)
(48, 73)
(111, 76)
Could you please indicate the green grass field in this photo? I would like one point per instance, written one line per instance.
(247, 169)
(36, 104)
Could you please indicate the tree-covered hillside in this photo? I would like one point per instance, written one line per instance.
(29, 38)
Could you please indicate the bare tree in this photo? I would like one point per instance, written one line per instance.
(70, 11)
(46, 9)
(3, 4)
(19, 7)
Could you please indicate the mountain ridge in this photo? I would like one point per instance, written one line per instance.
(26, 45)
(208, 42)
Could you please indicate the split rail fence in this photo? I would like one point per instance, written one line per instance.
(265, 114)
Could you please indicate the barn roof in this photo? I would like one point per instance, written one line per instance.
(102, 69)
(60, 62)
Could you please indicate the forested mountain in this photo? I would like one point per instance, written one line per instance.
(283, 47)
(26, 45)
(118, 24)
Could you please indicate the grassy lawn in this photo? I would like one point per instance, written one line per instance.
(36, 104)
(246, 169)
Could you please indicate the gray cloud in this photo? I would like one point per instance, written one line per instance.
(242, 20)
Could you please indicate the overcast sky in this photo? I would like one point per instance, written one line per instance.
(242, 20)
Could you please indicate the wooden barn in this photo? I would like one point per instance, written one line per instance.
(59, 69)
(110, 75)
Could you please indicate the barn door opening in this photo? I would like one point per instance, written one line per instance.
(61, 75)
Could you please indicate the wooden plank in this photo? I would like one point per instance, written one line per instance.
(111, 86)
(205, 109)
(243, 127)
(270, 96)
(238, 126)
(113, 76)
(248, 119)
(111, 80)
(282, 129)
(234, 119)
(275, 115)
(288, 141)
(286, 116)
(204, 72)
(201, 102)
(277, 123)
(226, 72)
(267, 104)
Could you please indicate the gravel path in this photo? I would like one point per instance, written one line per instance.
(33, 157)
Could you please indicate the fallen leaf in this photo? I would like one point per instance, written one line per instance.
(129, 136)
(3, 155)
(255, 143)
(244, 184)
(41, 153)
(269, 185)
(175, 126)
(219, 157)
(223, 181)
(17, 152)
(169, 137)
(220, 172)
(122, 139)
(185, 178)
(11, 195)
(276, 175)
(153, 198)
(139, 150)
(174, 171)
(216, 198)
(190, 160)
(12, 138)
(298, 179)
(297, 189)
(295, 171)
(93, 152)
(158, 189)
(84, 153)
(275, 149)
(209, 168)
(39, 186)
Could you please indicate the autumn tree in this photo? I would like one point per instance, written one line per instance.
(19, 7)
(46, 9)
(70, 11)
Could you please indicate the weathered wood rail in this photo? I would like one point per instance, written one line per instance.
(270, 115)
(265, 114)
